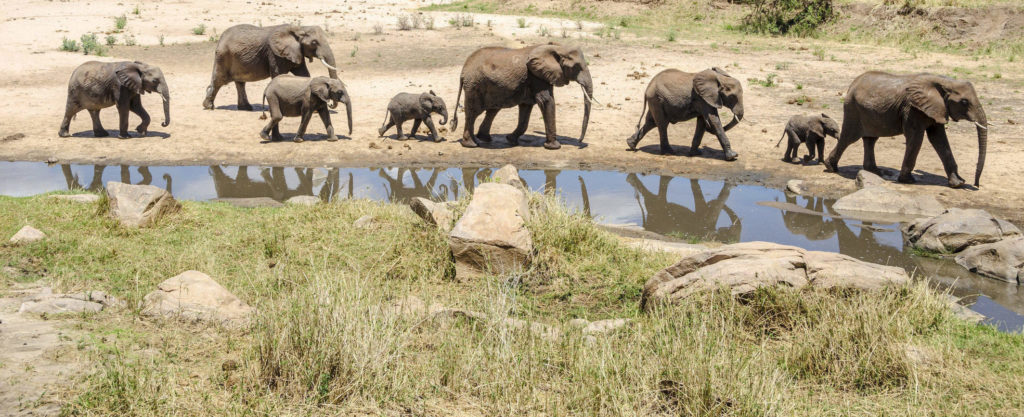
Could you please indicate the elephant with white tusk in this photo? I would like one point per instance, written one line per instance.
(98, 85)
(880, 104)
(247, 53)
(292, 96)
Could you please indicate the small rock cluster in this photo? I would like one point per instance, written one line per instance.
(983, 244)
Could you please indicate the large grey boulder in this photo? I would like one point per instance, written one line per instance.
(745, 267)
(194, 296)
(880, 199)
(27, 234)
(867, 179)
(509, 174)
(492, 235)
(139, 205)
(1002, 260)
(438, 214)
(77, 198)
(956, 229)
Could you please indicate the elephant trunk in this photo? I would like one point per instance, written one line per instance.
(348, 112)
(326, 56)
(166, 96)
(588, 91)
(444, 116)
(737, 115)
(981, 122)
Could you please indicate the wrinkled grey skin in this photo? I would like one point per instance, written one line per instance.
(248, 53)
(417, 107)
(292, 96)
(97, 85)
(881, 104)
(498, 78)
(809, 129)
(676, 96)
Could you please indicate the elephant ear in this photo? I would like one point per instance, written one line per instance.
(818, 128)
(319, 88)
(128, 76)
(284, 45)
(545, 63)
(927, 96)
(426, 102)
(707, 86)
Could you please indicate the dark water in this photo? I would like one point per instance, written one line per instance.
(679, 207)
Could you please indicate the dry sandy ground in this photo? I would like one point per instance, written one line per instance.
(376, 67)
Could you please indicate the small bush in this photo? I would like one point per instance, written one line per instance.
(129, 39)
(378, 29)
(521, 22)
(111, 40)
(671, 35)
(417, 21)
(428, 22)
(782, 17)
(544, 31)
(120, 22)
(199, 30)
(136, 11)
(767, 82)
(403, 22)
(161, 40)
(91, 44)
(69, 45)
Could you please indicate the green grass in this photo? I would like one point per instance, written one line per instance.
(120, 22)
(321, 344)
(199, 29)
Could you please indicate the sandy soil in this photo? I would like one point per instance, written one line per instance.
(376, 67)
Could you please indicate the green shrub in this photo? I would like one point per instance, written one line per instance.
(781, 17)
(91, 44)
(69, 45)
(199, 30)
(120, 22)
(111, 40)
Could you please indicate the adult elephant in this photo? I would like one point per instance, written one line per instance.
(675, 96)
(881, 104)
(250, 53)
(97, 85)
(498, 78)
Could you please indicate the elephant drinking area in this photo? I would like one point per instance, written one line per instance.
(650, 206)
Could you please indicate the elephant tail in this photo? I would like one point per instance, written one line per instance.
(263, 103)
(780, 139)
(387, 113)
(643, 113)
(455, 116)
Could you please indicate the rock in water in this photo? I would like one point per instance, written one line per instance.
(492, 235)
(745, 267)
(139, 205)
(867, 179)
(195, 296)
(1002, 260)
(303, 200)
(27, 234)
(796, 187)
(509, 174)
(956, 229)
(437, 214)
(879, 199)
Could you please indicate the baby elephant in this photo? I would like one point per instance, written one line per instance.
(810, 130)
(291, 96)
(418, 107)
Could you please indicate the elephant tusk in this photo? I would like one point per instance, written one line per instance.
(590, 98)
(322, 61)
(980, 126)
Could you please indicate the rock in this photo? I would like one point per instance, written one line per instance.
(745, 267)
(1002, 260)
(195, 296)
(492, 235)
(963, 311)
(27, 234)
(412, 306)
(956, 229)
(509, 174)
(541, 330)
(578, 324)
(101, 297)
(60, 305)
(77, 198)
(654, 245)
(250, 202)
(139, 205)
(796, 187)
(604, 326)
(437, 214)
(879, 199)
(867, 179)
(303, 200)
(365, 222)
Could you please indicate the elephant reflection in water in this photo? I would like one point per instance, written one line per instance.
(399, 192)
(274, 183)
(667, 218)
(863, 245)
(96, 184)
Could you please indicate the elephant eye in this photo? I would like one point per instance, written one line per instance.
(963, 101)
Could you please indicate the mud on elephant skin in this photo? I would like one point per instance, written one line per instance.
(880, 104)
(416, 107)
(496, 78)
(247, 53)
(97, 85)
(675, 96)
(809, 129)
(290, 96)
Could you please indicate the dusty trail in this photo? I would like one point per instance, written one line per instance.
(376, 67)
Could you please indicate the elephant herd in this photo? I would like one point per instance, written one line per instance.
(877, 104)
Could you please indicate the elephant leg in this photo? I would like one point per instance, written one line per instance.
(325, 116)
(484, 132)
(524, 119)
(70, 111)
(914, 140)
(388, 125)
(939, 140)
(639, 134)
(472, 110)
(217, 80)
(307, 114)
(792, 145)
(810, 143)
(271, 131)
(415, 128)
(97, 127)
(849, 134)
(869, 155)
(546, 101)
(122, 117)
(136, 107)
(243, 100)
(433, 131)
(821, 150)
(716, 123)
(398, 128)
(658, 115)
(698, 135)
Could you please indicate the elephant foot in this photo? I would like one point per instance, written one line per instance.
(436, 139)
(142, 130)
(512, 140)
(380, 132)
(124, 136)
(873, 169)
(404, 137)
(632, 142)
(64, 133)
(265, 136)
(297, 139)
(695, 152)
(730, 155)
(830, 166)
(100, 133)
(484, 137)
(468, 143)
(208, 104)
(955, 181)
(332, 138)
(552, 145)
(906, 179)
(245, 106)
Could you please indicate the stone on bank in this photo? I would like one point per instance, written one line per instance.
(492, 235)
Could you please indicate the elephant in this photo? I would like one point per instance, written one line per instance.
(676, 96)
(247, 53)
(882, 104)
(809, 129)
(496, 78)
(301, 96)
(97, 85)
(406, 106)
